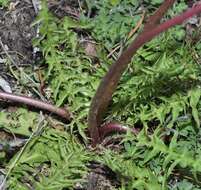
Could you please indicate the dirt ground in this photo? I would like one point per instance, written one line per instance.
(16, 32)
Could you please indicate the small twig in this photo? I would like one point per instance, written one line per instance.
(12, 52)
(13, 62)
(36, 5)
(7, 54)
(131, 33)
(64, 113)
(139, 23)
(115, 49)
(42, 82)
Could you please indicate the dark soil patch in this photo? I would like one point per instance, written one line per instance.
(16, 32)
(100, 177)
(64, 8)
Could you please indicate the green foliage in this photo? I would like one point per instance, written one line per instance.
(154, 2)
(55, 161)
(184, 185)
(21, 122)
(147, 163)
(4, 3)
(114, 20)
(160, 84)
(70, 72)
(130, 175)
(178, 7)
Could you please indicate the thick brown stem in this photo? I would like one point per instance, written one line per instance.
(64, 113)
(110, 81)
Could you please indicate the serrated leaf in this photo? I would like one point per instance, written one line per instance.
(194, 96)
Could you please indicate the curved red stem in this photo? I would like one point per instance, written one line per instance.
(64, 113)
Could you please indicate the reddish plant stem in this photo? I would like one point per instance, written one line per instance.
(115, 127)
(64, 113)
(154, 20)
(109, 128)
(109, 83)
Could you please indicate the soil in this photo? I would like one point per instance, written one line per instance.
(99, 178)
(16, 32)
(64, 8)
